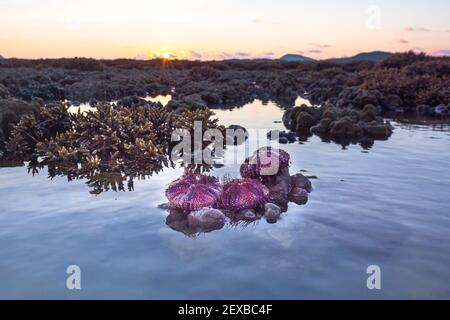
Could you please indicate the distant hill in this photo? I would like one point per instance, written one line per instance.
(296, 58)
(365, 56)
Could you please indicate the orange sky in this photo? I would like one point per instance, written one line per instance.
(217, 29)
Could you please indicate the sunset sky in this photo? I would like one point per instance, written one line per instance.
(220, 29)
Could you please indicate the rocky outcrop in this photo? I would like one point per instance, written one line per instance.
(11, 111)
(339, 123)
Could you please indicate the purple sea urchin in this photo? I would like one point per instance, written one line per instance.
(244, 194)
(266, 161)
(194, 191)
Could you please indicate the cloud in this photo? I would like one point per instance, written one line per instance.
(318, 45)
(270, 53)
(418, 49)
(195, 55)
(225, 55)
(444, 52)
(403, 41)
(300, 52)
(315, 51)
(257, 20)
(236, 55)
(416, 29)
(242, 54)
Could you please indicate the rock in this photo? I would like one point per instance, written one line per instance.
(128, 101)
(298, 195)
(365, 97)
(330, 113)
(211, 98)
(279, 187)
(378, 131)
(4, 92)
(248, 215)
(177, 105)
(441, 109)
(236, 134)
(195, 100)
(304, 121)
(177, 220)
(284, 137)
(164, 206)
(392, 102)
(283, 140)
(11, 111)
(272, 212)
(206, 219)
(423, 109)
(345, 128)
(323, 127)
(300, 181)
(369, 113)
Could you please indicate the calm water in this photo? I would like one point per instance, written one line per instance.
(388, 207)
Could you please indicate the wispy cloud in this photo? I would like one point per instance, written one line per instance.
(417, 29)
(403, 41)
(195, 54)
(315, 51)
(319, 45)
(234, 55)
(300, 52)
(242, 54)
(418, 49)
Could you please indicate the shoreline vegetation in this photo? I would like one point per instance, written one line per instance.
(351, 102)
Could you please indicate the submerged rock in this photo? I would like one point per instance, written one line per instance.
(442, 110)
(206, 219)
(283, 136)
(298, 195)
(164, 206)
(272, 212)
(300, 181)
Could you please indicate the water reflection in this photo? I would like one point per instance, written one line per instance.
(122, 178)
(389, 207)
(180, 221)
(99, 181)
(163, 99)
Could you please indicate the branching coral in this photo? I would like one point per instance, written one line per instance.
(130, 142)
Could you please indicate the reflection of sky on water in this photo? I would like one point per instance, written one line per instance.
(387, 207)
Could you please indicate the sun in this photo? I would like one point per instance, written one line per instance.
(168, 55)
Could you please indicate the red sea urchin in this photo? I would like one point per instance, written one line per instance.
(244, 194)
(194, 191)
(265, 162)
